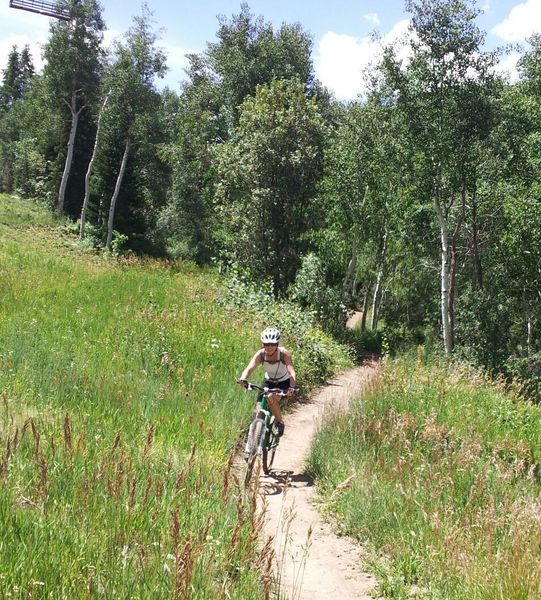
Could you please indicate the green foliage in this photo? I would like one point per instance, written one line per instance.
(248, 53)
(446, 481)
(311, 290)
(316, 355)
(268, 172)
(526, 372)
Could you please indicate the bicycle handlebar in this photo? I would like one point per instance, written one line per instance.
(268, 391)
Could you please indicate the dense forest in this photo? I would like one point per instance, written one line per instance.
(419, 204)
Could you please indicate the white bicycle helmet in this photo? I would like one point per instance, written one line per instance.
(271, 335)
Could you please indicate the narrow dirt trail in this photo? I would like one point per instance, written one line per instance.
(312, 561)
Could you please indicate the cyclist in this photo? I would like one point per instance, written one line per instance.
(279, 371)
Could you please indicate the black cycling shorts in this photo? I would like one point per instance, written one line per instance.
(281, 385)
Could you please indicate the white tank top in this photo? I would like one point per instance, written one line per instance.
(277, 370)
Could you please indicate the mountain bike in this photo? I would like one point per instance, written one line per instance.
(262, 438)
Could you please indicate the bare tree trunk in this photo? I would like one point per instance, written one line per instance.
(453, 266)
(375, 302)
(349, 279)
(477, 267)
(115, 195)
(444, 276)
(379, 284)
(365, 307)
(452, 288)
(89, 171)
(71, 144)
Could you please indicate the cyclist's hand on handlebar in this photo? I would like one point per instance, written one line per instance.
(292, 391)
(242, 382)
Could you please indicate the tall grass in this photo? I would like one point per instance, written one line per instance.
(118, 419)
(446, 482)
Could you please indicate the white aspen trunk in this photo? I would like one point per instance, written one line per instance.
(69, 158)
(365, 307)
(375, 301)
(115, 195)
(89, 171)
(444, 274)
(529, 340)
(379, 281)
(350, 273)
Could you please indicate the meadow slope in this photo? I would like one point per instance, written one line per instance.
(119, 417)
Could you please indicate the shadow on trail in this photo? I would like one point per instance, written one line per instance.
(277, 481)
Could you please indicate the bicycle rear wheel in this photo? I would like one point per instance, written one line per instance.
(269, 452)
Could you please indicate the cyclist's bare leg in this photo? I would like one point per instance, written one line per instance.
(274, 405)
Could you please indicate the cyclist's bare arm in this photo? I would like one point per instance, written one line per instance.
(254, 362)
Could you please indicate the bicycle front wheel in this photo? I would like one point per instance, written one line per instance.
(256, 431)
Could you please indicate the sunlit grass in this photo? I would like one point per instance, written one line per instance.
(118, 417)
(446, 484)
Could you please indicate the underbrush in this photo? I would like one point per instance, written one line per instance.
(446, 482)
(316, 355)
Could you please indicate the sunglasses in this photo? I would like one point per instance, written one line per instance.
(271, 345)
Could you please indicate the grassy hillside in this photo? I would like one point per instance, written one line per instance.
(118, 416)
(446, 482)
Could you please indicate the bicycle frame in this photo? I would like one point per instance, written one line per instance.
(261, 440)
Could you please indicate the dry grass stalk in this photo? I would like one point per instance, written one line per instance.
(264, 565)
(26, 425)
(131, 500)
(90, 584)
(159, 487)
(36, 436)
(235, 536)
(341, 487)
(116, 442)
(185, 559)
(5, 458)
(43, 485)
(227, 473)
(181, 477)
(148, 487)
(11, 446)
(52, 445)
(149, 441)
(120, 471)
(174, 529)
(184, 562)
(67, 433)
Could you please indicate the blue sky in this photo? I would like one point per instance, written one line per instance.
(340, 30)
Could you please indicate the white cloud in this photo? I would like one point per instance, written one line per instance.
(343, 58)
(523, 20)
(7, 43)
(508, 66)
(20, 28)
(372, 18)
(177, 62)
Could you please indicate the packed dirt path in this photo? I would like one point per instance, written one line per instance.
(312, 561)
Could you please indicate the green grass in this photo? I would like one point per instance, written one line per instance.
(446, 483)
(118, 418)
